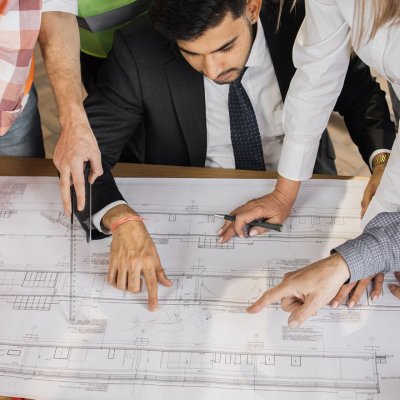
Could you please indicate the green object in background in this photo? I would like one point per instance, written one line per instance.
(99, 19)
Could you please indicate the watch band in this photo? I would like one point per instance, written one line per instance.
(381, 158)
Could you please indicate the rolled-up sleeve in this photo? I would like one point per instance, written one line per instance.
(68, 6)
(376, 250)
(321, 55)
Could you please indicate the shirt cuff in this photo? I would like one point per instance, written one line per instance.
(96, 218)
(364, 254)
(297, 159)
(68, 6)
(375, 153)
(353, 259)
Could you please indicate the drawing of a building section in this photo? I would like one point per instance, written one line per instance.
(352, 375)
(201, 276)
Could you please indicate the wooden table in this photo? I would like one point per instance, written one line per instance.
(18, 166)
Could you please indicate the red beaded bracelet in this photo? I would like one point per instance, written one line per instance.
(121, 221)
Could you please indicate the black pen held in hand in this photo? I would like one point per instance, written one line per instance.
(260, 223)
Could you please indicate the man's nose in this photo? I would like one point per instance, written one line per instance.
(211, 67)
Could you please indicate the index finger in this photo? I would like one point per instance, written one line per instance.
(79, 185)
(152, 288)
(65, 188)
(270, 296)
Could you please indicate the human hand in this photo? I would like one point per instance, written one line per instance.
(356, 289)
(305, 291)
(76, 145)
(275, 207)
(133, 254)
(395, 289)
(372, 187)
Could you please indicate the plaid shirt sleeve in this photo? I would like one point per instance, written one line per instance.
(376, 250)
(19, 29)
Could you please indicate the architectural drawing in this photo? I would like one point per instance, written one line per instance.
(200, 343)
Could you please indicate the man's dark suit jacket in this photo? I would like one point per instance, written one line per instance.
(149, 101)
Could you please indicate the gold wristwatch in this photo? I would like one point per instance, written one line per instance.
(381, 158)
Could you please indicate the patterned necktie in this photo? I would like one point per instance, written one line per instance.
(245, 135)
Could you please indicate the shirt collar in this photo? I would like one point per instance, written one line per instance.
(258, 50)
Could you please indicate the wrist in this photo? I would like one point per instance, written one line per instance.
(287, 189)
(341, 269)
(379, 161)
(118, 213)
(73, 114)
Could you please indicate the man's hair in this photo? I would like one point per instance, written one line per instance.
(190, 19)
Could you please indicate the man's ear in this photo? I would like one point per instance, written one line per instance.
(253, 8)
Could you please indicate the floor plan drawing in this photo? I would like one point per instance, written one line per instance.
(200, 343)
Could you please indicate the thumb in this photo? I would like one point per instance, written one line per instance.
(300, 315)
(96, 169)
(256, 230)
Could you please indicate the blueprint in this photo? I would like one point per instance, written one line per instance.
(200, 344)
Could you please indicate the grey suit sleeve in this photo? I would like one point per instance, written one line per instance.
(376, 250)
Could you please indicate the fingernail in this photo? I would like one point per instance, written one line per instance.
(152, 307)
(391, 287)
(220, 240)
(293, 323)
(335, 304)
(253, 232)
(351, 304)
(374, 297)
(220, 231)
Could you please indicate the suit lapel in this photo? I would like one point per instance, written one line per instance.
(280, 43)
(187, 91)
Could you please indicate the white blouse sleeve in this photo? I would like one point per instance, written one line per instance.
(68, 6)
(321, 55)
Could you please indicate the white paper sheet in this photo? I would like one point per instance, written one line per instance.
(200, 344)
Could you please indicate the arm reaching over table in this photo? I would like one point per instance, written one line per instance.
(304, 292)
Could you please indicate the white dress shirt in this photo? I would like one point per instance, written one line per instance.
(262, 87)
(321, 55)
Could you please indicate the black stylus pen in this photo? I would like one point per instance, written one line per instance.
(262, 224)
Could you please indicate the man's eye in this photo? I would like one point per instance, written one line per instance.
(226, 49)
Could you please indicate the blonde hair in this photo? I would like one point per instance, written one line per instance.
(281, 4)
(384, 12)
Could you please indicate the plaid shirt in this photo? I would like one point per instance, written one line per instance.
(19, 30)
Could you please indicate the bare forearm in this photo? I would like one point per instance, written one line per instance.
(59, 41)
